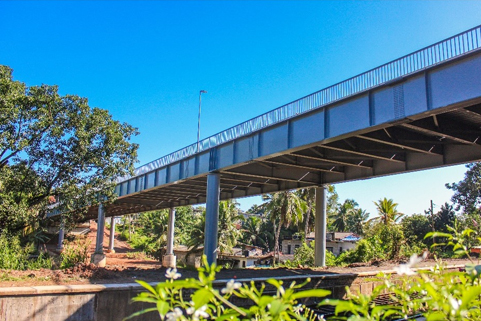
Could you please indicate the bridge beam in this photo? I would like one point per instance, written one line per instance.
(212, 217)
(169, 259)
(320, 226)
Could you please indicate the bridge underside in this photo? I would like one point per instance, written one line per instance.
(429, 140)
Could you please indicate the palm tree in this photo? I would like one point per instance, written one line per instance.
(387, 211)
(254, 233)
(308, 195)
(227, 234)
(284, 209)
(341, 217)
(357, 220)
(229, 217)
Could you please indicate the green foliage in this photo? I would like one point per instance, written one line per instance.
(414, 228)
(227, 233)
(434, 294)
(14, 256)
(74, 252)
(305, 255)
(283, 209)
(366, 250)
(208, 303)
(387, 210)
(467, 192)
(344, 211)
(460, 241)
(258, 232)
(54, 146)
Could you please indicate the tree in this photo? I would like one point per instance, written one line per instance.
(387, 210)
(283, 209)
(308, 195)
(444, 217)
(227, 234)
(341, 217)
(252, 231)
(415, 227)
(55, 147)
(467, 192)
(356, 221)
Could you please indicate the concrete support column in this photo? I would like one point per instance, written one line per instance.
(61, 235)
(169, 259)
(212, 217)
(98, 258)
(320, 226)
(112, 235)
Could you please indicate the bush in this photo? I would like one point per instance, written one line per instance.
(366, 250)
(74, 252)
(15, 257)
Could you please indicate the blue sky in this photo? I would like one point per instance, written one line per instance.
(145, 62)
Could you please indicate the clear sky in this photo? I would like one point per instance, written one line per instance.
(145, 62)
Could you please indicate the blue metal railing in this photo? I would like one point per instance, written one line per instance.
(430, 56)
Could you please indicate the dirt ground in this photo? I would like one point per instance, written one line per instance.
(126, 266)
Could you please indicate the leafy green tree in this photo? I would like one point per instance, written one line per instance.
(229, 221)
(256, 209)
(284, 209)
(341, 217)
(61, 147)
(184, 223)
(253, 233)
(445, 217)
(228, 233)
(356, 221)
(415, 227)
(387, 210)
(308, 195)
(467, 192)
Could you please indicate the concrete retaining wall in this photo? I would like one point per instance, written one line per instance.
(111, 302)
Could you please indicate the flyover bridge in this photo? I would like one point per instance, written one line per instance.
(417, 112)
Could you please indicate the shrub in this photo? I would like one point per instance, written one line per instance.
(15, 257)
(445, 295)
(305, 255)
(366, 250)
(74, 252)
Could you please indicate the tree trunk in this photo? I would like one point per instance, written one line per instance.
(306, 227)
(276, 246)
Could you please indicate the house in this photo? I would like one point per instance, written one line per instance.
(336, 242)
(247, 256)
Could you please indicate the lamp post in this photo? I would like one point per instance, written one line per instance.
(198, 123)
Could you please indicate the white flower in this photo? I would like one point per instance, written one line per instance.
(321, 318)
(298, 308)
(231, 286)
(172, 274)
(200, 313)
(174, 315)
(455, 304)
(405, 269)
